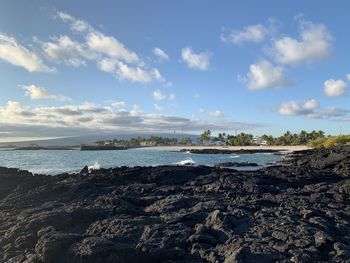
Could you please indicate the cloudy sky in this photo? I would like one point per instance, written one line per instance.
(84, 67)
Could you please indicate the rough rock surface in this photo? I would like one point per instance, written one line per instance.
(299, 212)
(237, 164)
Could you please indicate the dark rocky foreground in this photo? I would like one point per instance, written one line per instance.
(294, 213)
(236, 164)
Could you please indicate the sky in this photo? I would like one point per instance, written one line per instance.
(70, 68)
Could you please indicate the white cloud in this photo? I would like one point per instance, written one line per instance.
(310, 104)
(158, 107)
(71, 120)
(216, 113)
(118, 104)
(335, 88)
(98, 41)
(196, 95)
(110, 46)
(111, 54)
(330, 113)
(76, 25)
(295, 108)
(309, 109)
(314, 44)
(160, 54)
(138, 74)
(348, 77)
(40, 93)
(108, 65)
(264, 75)
(254, 33)
(158, 95)
(20, 56)
(193, 60)
(64, 49)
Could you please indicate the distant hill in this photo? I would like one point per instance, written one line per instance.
(90, 139)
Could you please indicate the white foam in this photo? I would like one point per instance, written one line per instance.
(234, 156)
(186, 162)
(96, 166)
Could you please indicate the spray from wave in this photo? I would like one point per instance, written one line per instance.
(186, 162)
(96, 166)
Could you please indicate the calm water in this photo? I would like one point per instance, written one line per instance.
(55, 162)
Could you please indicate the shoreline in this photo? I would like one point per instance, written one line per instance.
(296, 148)
(297, 212)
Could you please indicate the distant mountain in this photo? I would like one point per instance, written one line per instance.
(90, 139)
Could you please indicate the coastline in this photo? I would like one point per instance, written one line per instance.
(297, 212)
(296, 148)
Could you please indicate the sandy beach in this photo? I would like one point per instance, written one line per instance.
(232, 148)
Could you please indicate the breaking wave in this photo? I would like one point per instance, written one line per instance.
(96, 166)
(186, 162)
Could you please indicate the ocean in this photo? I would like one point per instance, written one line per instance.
(55, 162)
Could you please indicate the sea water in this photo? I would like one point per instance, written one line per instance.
(60, 161)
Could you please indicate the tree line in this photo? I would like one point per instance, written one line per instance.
(246, 139)
(153, 140)
(313, 138)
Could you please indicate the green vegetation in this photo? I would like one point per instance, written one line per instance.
(151, 141)
(205, 136)
(242, 139)
(330, 141)
(312, 139)
(288, 138)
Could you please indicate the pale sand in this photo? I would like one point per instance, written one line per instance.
(279, 148)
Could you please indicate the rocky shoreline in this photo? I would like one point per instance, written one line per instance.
(297, 212)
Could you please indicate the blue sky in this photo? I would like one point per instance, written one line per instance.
(77, 67)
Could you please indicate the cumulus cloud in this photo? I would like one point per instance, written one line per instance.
(335, 88)
(64, 50)
(253, 33)
(264, 75)
(313, 44)
(111, 54)
(18, 55)
(310, 109)
(158, 95)
(76, 25)
(200, 61)
(98, 41)
(310, 104)
(111, 46)
(108, 65)
(160, 54)
(138, 74)
(118, 104)
(216, 113)
(297, 108)
(70, 120)
(40, 93)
